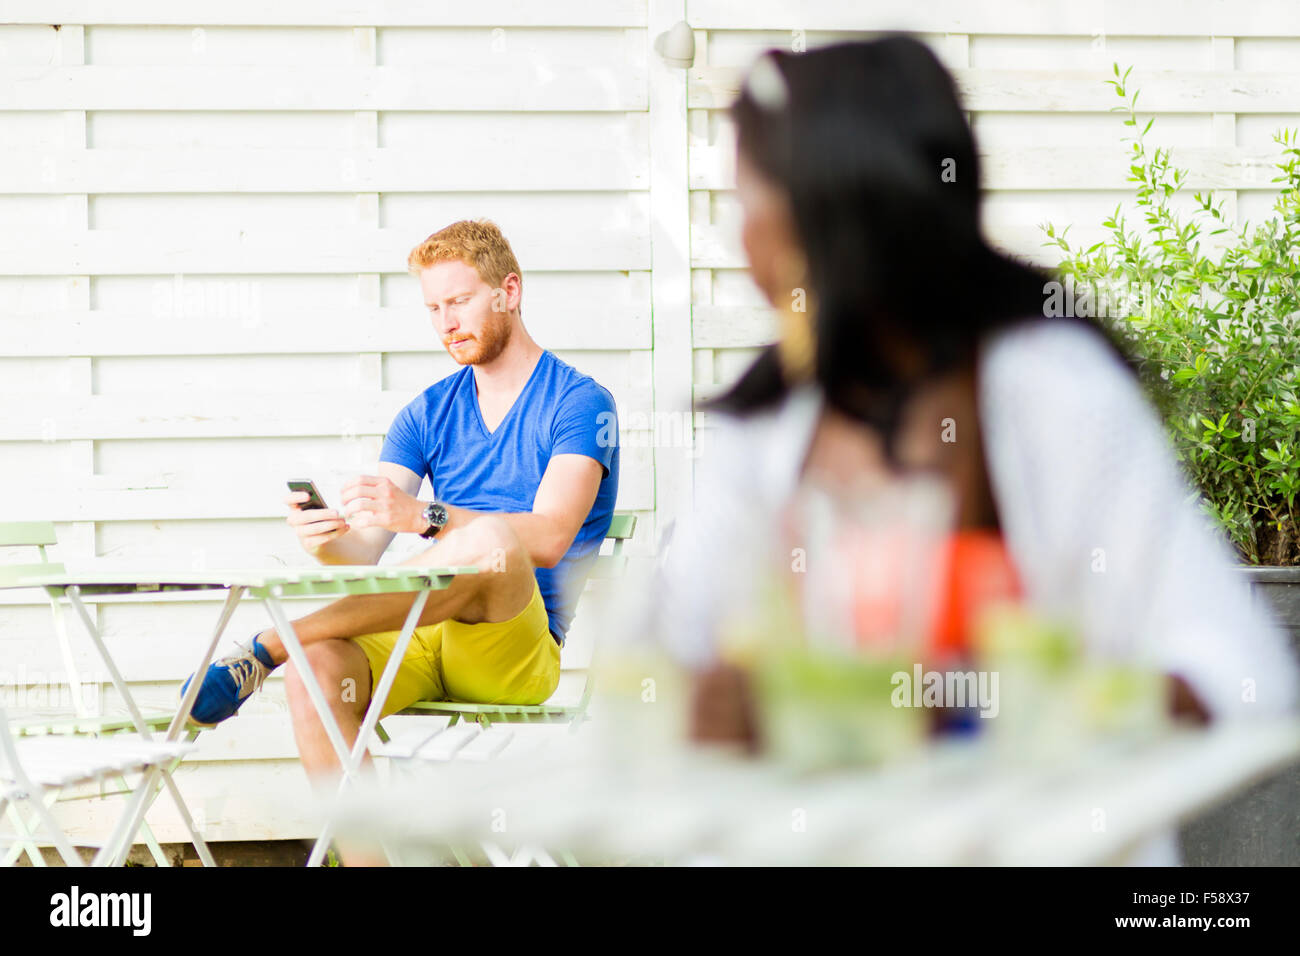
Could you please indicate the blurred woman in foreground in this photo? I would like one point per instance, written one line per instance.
(859, 183)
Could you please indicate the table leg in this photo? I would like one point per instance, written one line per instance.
(149, 781)
(298, 654)
(377, 699)
(137, 718)
(192, 694)
(388, 678)
(350, 760)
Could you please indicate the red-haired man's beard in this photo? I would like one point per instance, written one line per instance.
(484, 347)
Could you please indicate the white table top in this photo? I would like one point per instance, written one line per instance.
(955, 803)
(153, 578)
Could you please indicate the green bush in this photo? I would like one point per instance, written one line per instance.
(1214, 334)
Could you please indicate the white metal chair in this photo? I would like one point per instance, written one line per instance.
(35, 770)
(84, 721)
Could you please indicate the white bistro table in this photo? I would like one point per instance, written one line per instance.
(959, 802)
(270, 586)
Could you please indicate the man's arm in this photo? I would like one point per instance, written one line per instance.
(362, 543)
(563, 501)
(564, 498)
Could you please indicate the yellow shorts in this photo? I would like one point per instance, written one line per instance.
(506, 662)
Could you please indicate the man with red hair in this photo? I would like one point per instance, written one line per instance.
(521, 452)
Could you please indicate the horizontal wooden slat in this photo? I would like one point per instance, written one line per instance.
(563, 326)
(406, 13)
(1082, 168)
(729, 327)
(702, 393)
(197, 415)
(224, 414)
(250, 736)
(77, 503)
(718, 247)
(514, 84)
(1059, 167)
(1270, 18)
(91, 500)
(1171, 91)
(99, 171)
(315, 252)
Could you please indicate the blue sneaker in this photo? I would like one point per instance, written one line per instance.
(228, 683)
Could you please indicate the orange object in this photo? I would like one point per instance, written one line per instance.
(908, 585)
(978, 572)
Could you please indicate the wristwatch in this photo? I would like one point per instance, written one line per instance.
(436, 516)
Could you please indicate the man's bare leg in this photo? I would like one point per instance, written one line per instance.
(500, 590)
(334, 662)
(343, 672)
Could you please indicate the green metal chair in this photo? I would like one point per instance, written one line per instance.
(486, 716)
(41, 535)
(606, 566)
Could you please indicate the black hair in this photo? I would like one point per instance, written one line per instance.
(869, 142)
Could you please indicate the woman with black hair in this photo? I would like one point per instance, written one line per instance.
(901, 329)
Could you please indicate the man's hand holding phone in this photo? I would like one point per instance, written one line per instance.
(314, 523)
(371, 501)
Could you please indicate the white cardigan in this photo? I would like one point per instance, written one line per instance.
(1078, 461)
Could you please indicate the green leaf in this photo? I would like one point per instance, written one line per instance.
(1215, 329)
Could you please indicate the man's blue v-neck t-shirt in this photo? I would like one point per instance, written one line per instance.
(441, 435)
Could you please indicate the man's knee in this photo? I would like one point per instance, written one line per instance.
(343, 673)
(492, 546)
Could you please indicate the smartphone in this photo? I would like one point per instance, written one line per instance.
(315, 502)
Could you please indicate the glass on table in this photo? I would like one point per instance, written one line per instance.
(844, 595)
(875, 562)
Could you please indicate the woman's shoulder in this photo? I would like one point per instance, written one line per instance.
(1040, 340)
(1045, 363)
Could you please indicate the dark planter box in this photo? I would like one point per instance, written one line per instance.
(1260, 827)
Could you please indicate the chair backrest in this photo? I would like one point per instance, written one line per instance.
(621, 529)
(30, 534)
(40, 535)
(608, 566)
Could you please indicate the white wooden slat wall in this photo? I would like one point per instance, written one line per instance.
(203, 228)
(1220, 78)
(203, 233)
